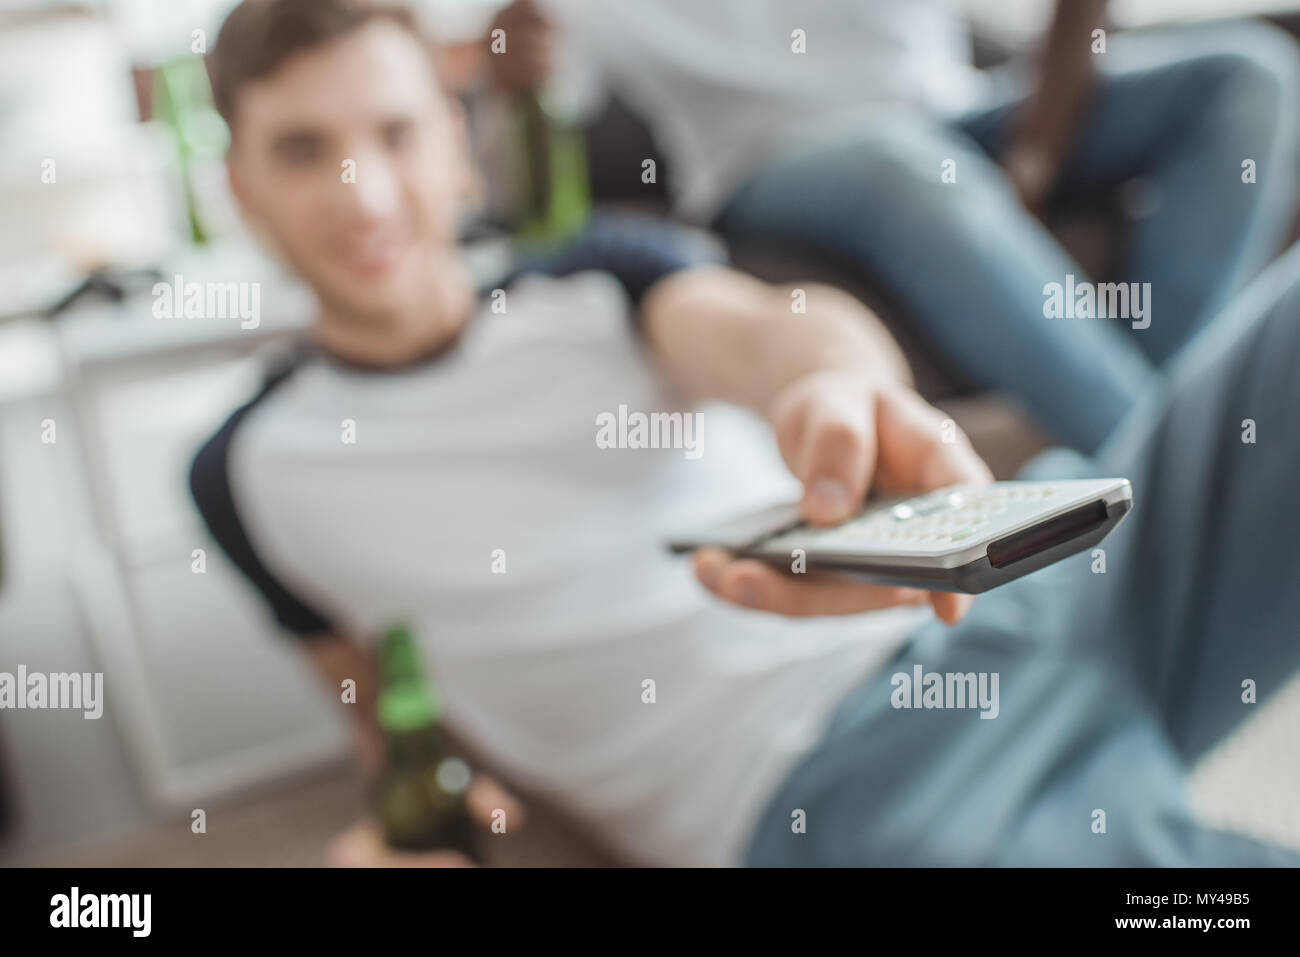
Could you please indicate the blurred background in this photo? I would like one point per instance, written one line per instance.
(111, 179)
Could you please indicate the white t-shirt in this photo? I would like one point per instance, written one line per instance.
(488, 454)
(723, 89)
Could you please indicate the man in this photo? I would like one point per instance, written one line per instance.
(476, 446)
(859, 133)
(475, 503)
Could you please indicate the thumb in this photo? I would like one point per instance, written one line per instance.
(837, 457)
(488, 801)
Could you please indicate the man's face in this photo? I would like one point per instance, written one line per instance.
(350, 160)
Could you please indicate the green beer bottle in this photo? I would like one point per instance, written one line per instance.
(420, 795)
(552, 174)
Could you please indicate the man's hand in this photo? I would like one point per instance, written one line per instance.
(362, 845)
(842, 434)
(836, 389)
(530, 47)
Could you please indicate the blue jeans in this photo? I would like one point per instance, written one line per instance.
(1179, 110)
(1110, 684)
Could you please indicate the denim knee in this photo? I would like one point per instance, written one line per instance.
(1257, 66)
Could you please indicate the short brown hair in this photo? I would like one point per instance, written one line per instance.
(260, 35)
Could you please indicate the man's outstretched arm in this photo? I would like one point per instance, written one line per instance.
(727, 335)
(837, 392)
